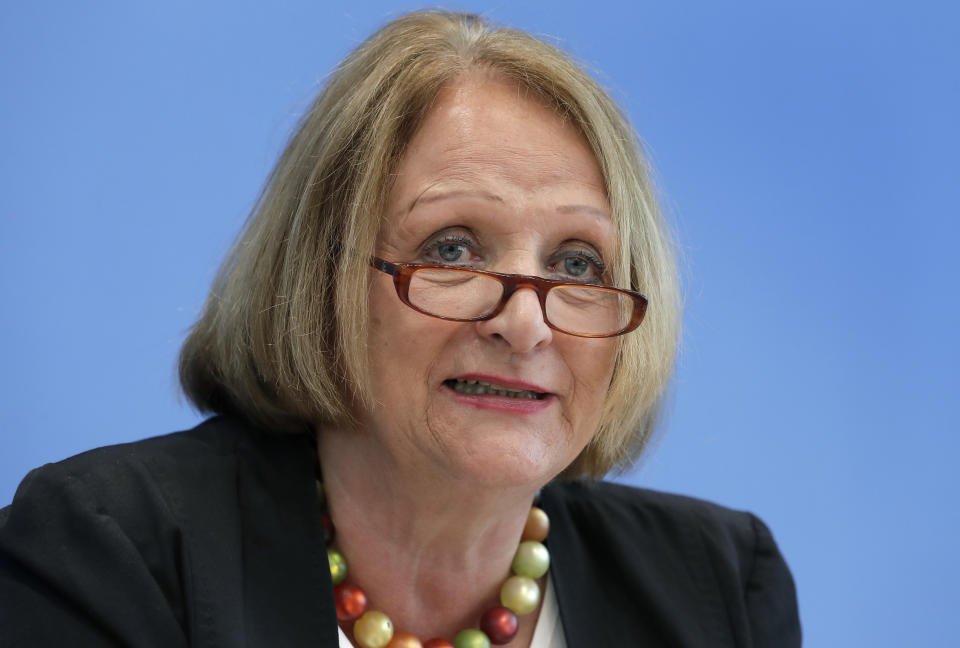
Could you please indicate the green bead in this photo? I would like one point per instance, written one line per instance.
(471, 638)
(531, 560)
(338, 566)
(520, 594)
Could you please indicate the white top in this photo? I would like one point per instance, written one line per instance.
(549, 630)
(547, 634)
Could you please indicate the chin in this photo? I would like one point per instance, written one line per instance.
(502, 464)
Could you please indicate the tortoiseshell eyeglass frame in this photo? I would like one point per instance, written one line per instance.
(402, 273)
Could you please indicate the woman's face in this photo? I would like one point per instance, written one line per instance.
(494, 181)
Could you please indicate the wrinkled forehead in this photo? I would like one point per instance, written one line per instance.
(487, 138)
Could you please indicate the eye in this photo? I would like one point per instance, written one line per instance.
(575, 266)
(450, 252)
(448, 248)
(579, 265)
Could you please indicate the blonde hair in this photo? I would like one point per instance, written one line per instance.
(282, 338)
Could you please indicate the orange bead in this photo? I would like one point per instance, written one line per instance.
(437, 643)
(351, 601)
(404, 640)
(538, 525)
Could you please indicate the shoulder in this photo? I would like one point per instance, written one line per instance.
(127, 475)
(603, 497)
(108, 535)
(689, 558)
(125, 483)
(127, 463)
(616, 510)
(153, 543)
(140, 495)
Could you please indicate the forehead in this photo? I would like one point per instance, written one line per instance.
(490, 136)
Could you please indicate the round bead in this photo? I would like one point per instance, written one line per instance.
(404, 640)
(538, 525)
(351, 601)
(373, 630)
(328, 530)
(531, 560)
(471, 638)
(500, 624)
(520, 594)
(338, 566)
(437, 643)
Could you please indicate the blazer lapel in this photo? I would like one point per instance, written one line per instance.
(615, 583)
(288, 595)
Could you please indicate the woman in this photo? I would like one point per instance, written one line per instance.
(435, 315)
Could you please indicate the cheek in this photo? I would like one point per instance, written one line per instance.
(592, 369)
(388, 357)
(403, 348)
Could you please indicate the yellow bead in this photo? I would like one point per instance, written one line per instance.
(373, 630)
(338, 566)
(531, 560)
(520, 594)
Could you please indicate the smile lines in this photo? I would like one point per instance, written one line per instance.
(477, 387)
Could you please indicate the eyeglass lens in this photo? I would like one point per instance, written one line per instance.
(585, 310)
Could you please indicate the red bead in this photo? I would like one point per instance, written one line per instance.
(351, 601)
(328, 531)
(500, 624)
(437, 643)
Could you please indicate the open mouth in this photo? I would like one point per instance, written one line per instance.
(480, 388)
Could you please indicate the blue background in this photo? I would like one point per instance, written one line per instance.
(807, 153)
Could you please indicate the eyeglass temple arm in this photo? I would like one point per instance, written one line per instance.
(384, 266)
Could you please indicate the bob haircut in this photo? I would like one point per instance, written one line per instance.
(282, 337)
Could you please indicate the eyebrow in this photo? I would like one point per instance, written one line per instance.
(590, 209)
(425, 198)
(438, 196)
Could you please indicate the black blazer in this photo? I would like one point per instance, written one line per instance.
(212, 537)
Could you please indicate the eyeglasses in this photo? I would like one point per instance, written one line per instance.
(466, 295)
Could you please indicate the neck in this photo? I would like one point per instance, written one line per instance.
(429, 549)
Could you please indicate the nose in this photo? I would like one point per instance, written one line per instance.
(520, 324)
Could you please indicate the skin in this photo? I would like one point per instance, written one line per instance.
(432, 491)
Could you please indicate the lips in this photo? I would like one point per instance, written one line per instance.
(499, 394)
(484, 388)
(492, 385)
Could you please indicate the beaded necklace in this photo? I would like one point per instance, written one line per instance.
(519, 595)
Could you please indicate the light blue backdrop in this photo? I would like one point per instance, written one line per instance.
(807, 153)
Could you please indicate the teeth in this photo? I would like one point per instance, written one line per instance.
(478, 387)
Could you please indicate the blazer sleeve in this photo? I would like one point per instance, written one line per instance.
(769, 594)
(90, 558)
